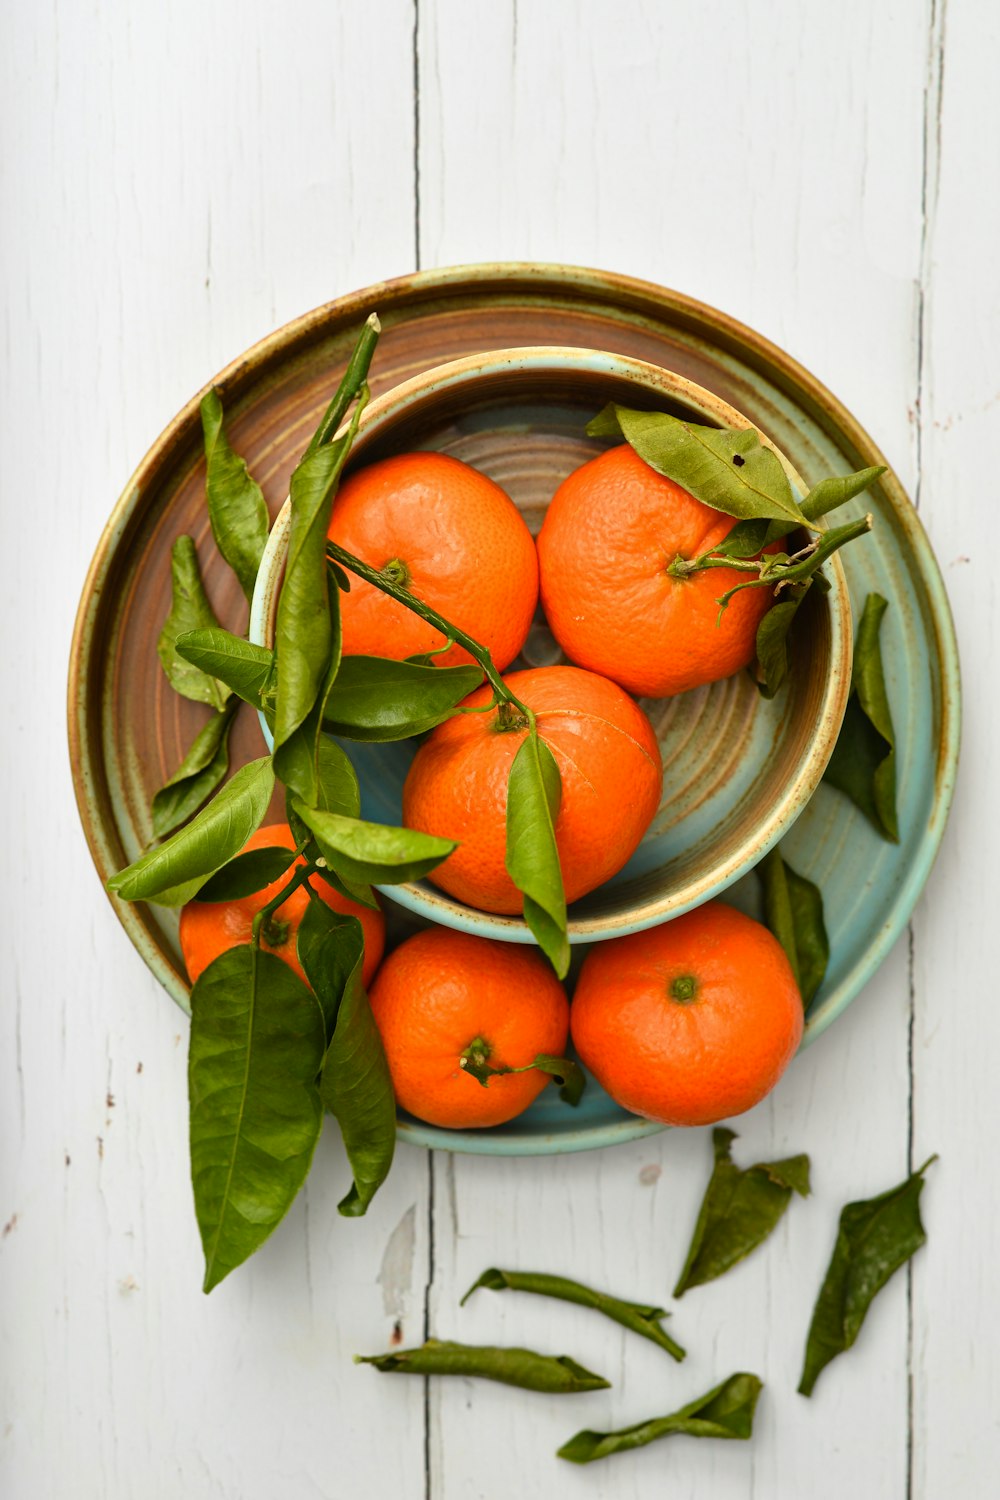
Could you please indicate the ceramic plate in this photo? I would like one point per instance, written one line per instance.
(128, 730)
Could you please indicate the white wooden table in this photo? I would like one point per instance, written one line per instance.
(178, 180)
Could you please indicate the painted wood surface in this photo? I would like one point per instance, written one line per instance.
(178, 180)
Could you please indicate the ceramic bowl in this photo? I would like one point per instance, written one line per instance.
(738, 769)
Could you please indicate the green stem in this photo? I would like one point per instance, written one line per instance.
(354, 378)
(300, 876)
(479, 654)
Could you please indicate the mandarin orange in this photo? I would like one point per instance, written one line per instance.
(690, 1022)
(451, 536)
(610, 533)
(440, 995)
(608, 758)
(208, 928)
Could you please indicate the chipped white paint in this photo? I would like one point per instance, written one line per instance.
(177, 181)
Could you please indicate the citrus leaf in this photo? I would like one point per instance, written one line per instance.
(739, 1210)
(355, 1085)
(534, 791)
(555, 1373)
(374, 699)
(863, 764)
(255, 1114)
(189, 610)
(636, 1316)
(236, 507)
(353, 379)
(874, 1238)
(725, 1412)
(297, 761)
(571, 1078)
(793, 910)
(837, 490)
(246, 874)
(374, 853)
(173, 872)
(772, 640)
(245, 668)
(726, 468)
(199, 773)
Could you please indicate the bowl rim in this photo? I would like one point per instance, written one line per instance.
(427, 901)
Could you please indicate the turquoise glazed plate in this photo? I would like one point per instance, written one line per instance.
(128, 731)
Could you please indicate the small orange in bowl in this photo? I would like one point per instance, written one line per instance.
(441, 998)
(690, 1022)
(443, 530)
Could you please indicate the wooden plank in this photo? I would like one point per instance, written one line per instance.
(178, 180)
(957, 1030)
(772, 168)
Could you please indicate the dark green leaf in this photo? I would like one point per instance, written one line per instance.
(353, 379)
(297, 761)
(236, 505)
(174, 872)
(256, 1049)
(356, 1085)
(245, 668)
(725, 1412)
(739, 1210)
(372, 853)
(247, 873)
(837, 490)
(748, 538)
(793, 910)
(863, 764)
(557, 1374)
(875, 1237)
(189, 610)
(637, 1316)
(726, 468)
(571, 1078)
(335, 787)
(304, 632)
(375, 699)
(534, 791)
(772, 640)
(199, 773)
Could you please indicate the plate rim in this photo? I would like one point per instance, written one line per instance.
(609, 289)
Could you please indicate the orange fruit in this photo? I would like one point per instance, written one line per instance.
(442, 993)
(208, 928)
(690, 1022)
(611, 531)
(607, 755)
(452, 537)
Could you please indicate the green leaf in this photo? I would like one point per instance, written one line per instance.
(739, 1210)
(256, 1049)
(247, 873)
(837, 490)
(356, 1085)
(374, 699)
(875, 1237)
(189, 610)
(534, 791)
(636, 1316)
(793, 910)
(863, 764)
(341, 795)
(304, 632)
(297, 761)
(726, 468)
(772, 640)
(372, 853)
(173, 872)
(557, 1374)
(199, 773)
(243, 667)
(351, 383)
(236, 505)
(725, 1412)
(779, 570)
(571, 1078)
